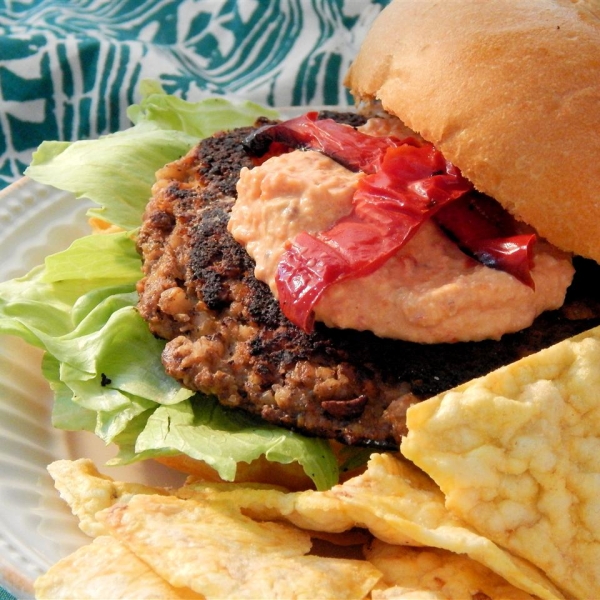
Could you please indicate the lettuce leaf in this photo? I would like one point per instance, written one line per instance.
(117, 171)
(203, 430)
(198, 119)
(101, 360)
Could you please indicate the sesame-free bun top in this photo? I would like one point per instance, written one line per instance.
(509, 91)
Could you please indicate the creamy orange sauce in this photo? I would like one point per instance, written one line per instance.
(300, 191)
(429, 292)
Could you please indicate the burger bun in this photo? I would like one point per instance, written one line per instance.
(509, 91)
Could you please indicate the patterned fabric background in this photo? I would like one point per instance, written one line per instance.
(69, 70)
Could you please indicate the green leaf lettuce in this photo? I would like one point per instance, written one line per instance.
(101, 360)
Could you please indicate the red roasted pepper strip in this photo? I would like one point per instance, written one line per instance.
(493, 244)
(513, 254)
(353, 149)
(412, 184)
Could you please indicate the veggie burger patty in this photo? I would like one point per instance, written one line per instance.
(228, 337)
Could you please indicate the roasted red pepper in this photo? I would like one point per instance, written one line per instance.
(354, 150)
(491, 238)
(406, 182)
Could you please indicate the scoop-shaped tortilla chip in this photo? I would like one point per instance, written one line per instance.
(437, 574)
(106, 569)
(517, 454)
(310, 510)
(88, 491)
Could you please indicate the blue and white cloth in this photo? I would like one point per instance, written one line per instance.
(69, 69)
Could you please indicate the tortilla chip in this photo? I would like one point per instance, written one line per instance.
(401, 505)
(317, 511)
(99, 226)
(434, 573)
(517, 454)
(215, 550)
(87, 491)
(105, 569)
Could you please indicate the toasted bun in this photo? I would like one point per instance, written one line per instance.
(290, 476)
(509, 91)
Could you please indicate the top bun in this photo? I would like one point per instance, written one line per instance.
(509, 91)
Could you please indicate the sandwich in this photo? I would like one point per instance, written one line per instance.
(208, 354)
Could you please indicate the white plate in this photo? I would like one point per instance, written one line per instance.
(32, 224)
(36, 527)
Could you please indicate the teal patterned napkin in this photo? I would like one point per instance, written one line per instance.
(4, 595)
(68, 70)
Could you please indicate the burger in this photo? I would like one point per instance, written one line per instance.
(276, 313)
